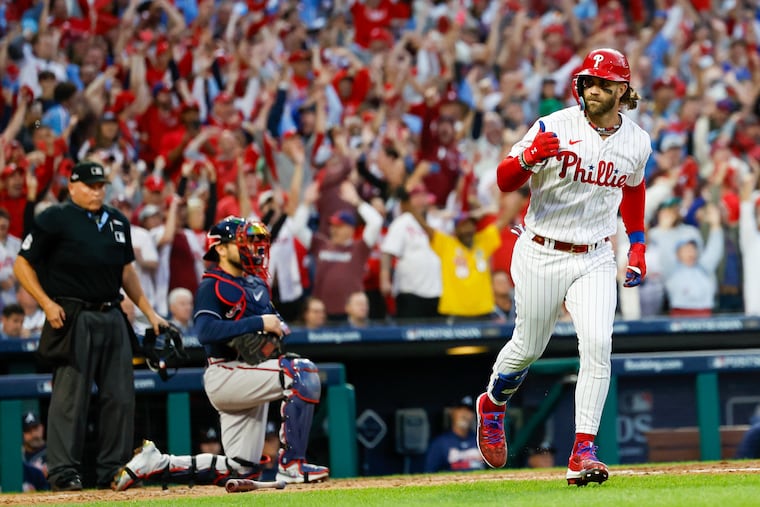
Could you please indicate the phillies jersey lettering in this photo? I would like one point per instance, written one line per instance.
(605, 174)
(576, 194)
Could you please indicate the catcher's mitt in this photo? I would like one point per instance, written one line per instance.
(253, 348)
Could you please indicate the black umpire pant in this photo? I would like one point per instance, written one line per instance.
(102, 355)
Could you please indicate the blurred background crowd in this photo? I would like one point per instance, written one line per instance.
(345, 124)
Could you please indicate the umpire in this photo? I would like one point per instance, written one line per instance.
(74, 262)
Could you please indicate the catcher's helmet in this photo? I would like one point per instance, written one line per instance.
(604, 63)
(252, 239)
(224, 231)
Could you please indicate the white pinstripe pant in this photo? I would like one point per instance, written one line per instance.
(544, 279)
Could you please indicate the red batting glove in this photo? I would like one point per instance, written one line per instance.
(637, 266)
(545, 145)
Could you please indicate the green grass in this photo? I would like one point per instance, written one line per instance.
(733, 489)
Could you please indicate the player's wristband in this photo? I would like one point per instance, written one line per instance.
(637, 237)
(523, 163)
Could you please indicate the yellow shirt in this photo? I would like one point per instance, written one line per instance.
(466, 273)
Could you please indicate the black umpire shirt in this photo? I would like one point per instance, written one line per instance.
(79, 254)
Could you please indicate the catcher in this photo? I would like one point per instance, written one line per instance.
(242, 333)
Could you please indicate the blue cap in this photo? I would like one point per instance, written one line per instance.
(343, 217)
(30, 420)
(463, 216)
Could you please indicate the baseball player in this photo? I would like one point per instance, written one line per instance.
(232, 302)
(583, 165)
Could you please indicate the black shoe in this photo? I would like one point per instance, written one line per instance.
(72, 483)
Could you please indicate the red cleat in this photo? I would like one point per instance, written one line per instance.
(584, 467)
(492, 443)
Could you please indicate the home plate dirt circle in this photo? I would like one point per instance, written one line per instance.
(155, 492)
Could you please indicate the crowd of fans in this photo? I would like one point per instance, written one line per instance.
(353, 128)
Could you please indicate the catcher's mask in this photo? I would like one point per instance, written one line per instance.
(605, 63)
(253, 241)
(163, 351)
(251, 238)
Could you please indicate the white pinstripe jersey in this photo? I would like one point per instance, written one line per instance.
(575, 196)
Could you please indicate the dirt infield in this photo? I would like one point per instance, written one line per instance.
(148, 493)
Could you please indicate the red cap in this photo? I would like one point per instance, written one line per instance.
(189, 106)
(381, 35)
(224, 97)
(555, 28)
(123, 99)
(162, 47)
(10, 169)
(299, 56)
(154, 183)
(289, 133)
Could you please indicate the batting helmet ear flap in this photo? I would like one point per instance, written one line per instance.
(578, 93)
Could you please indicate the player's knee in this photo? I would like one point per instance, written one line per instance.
(301, 377)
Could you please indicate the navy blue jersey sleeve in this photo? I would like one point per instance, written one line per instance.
(214, 330)
(215, 317)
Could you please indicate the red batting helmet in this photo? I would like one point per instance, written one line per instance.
(604, 63)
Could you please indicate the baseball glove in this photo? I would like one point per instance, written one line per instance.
(253, 348)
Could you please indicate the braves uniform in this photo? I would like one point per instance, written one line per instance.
(228, 306)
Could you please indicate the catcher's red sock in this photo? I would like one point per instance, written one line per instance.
(582, 437)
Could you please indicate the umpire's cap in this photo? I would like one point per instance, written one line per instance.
(88, 172)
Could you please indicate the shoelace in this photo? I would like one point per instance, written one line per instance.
(587, 450)
(494, 428)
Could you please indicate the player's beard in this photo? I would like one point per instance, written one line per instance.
(601, 108)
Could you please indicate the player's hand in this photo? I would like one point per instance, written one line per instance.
(637, 266)
(272, 324)
(54, 314)
(517, 230)
(545, 145)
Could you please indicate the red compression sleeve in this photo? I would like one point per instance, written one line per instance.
(510, 175)
(632, 208)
